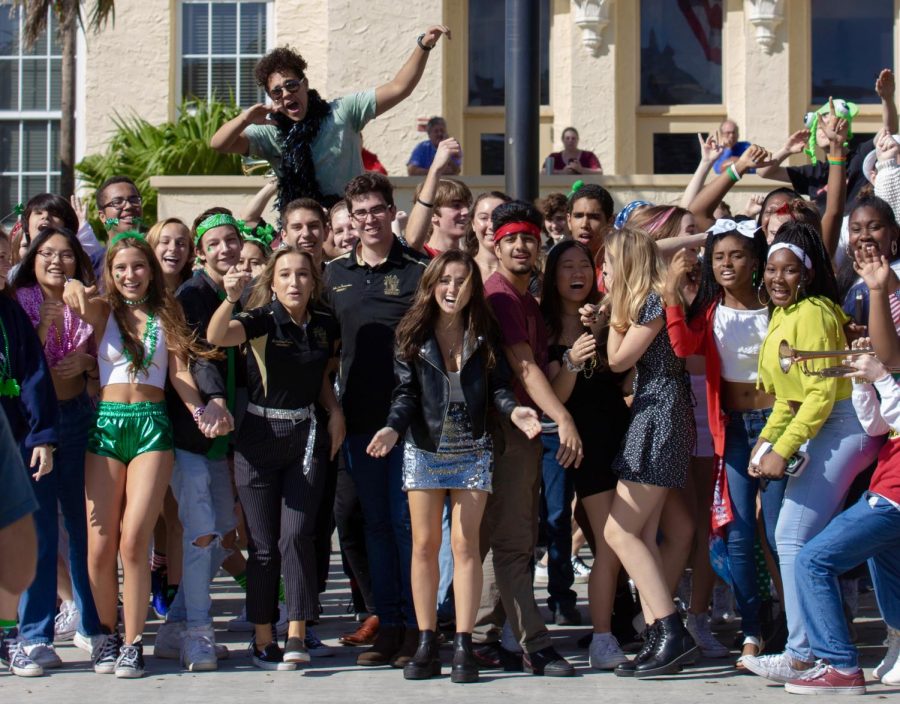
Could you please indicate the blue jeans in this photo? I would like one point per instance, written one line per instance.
(741, 434)
(202, 488)
(62, 488)
(445, 607)
(868, 530)
(557, 492)
(379, 483)
(839, 452)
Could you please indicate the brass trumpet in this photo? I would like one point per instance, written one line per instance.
(788, 357)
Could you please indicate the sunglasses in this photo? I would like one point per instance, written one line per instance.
(291, 86)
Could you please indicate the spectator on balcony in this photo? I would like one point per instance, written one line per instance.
(572, 160)
(732, 148)
(424, 153)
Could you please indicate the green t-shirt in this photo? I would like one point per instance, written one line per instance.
(337, 148)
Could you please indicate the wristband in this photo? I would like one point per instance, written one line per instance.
(422, 202)
(567, 359)
(837, 161)
(234, 303)
(198, 413)
(421, 44)
(732, 173)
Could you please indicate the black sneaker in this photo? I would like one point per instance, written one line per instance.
(269, 658)
(107, 654)
(547, 662)
(130, 665)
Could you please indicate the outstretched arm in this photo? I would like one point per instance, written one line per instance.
(704, 205)
(884, 86)
(230, 139)
(710, 150)
(417, 226)
(794, 145)
(407, 78)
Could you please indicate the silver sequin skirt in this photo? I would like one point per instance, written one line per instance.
(461, 462)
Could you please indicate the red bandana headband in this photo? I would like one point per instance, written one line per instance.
(514, 228)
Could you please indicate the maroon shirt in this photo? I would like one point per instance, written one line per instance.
(520, 321)
(587, 160)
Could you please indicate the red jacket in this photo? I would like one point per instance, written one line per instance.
(697, 338)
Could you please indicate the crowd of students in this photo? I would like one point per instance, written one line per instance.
(442, 391)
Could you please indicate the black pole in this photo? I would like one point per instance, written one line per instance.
(522, 98)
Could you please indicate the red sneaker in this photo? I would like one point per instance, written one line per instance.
(824, 679)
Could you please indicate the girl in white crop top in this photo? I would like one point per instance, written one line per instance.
(143, 341)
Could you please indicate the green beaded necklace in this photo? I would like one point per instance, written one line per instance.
(8, 385)
(151, 332)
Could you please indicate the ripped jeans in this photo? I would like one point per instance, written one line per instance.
(202, 488)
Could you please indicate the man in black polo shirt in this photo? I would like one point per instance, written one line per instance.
(369, 291)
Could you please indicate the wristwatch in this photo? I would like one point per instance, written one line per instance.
(422, 44)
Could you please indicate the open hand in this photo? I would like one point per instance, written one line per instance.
(382, 442)
(257, 114)
(526, 419)
(42, 458)
(876, 273)
(797, 142)
(80, 208)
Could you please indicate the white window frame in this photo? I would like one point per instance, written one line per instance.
(22, 116)
(181, 56)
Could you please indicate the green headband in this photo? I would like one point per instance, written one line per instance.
(575, 187)
(842, 108)
(127, 235)
(261, 235)
(217, 220)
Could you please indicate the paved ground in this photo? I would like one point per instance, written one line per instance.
(337, 679)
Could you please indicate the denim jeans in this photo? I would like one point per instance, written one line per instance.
(62, 488)
(379, 483)
(839, 452)
(868, 530)
(445, 608)
(741, 434)
(557, 492)
(202, 488)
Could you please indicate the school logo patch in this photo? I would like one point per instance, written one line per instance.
(391, 285)
(341, 287)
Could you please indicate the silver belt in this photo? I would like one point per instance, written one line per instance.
(299, 414)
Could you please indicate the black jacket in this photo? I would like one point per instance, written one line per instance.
(422, 395)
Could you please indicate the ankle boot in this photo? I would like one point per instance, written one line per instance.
(674, 647)
(651, 636)
(465, 667)
(425, 663)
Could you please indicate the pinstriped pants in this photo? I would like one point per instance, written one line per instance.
(280, 506)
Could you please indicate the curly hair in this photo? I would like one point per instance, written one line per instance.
(55, 205)
(554, 204)
(278, 61)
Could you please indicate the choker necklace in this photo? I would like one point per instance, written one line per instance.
(139, 302)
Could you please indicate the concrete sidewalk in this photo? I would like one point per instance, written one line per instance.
(338, 679)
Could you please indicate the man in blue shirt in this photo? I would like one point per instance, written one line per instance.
(422, 156)
(732, 148)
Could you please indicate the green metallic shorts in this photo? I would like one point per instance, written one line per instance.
(125, 430)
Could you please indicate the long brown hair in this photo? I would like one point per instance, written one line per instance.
(419, 322)
(155, 233)
(179, 338)
(261, 293)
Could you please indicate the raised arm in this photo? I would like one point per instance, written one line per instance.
(254, 209)
(794, 145)
(710, 150)
(230, 138)
(408, 77)
(704, 205)
(836, 130)
(884, 86)
(417, 226)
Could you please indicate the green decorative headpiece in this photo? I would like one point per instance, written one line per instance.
(217, 220)
(842, 108)
(127, 235)
(261, 235)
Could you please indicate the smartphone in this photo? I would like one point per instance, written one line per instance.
(795, 465)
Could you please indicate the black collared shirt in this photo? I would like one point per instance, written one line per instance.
(286, 362)
(368, 302)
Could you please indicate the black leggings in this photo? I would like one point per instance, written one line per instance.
(280, 505)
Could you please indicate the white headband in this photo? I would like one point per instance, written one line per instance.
(794, 249)
(747, 228)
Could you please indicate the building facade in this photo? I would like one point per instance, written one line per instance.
(638, 78)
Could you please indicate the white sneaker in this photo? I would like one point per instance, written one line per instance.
(698, 626)
(44, 654)
(508, 639)
(541, 576)
(722, 605)
(605, 653)
(892, 676)
(890, 661)
(89, 644)
(777, 668)
(19, 662)
(66, 623)
(581, 570)
(240, 624)
(169, 640)
(198, 651)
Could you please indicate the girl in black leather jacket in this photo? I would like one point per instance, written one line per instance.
(449, 370)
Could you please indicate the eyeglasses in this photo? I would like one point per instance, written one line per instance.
(121, 202)
(291, 86)
(66, 256)
(363, 215)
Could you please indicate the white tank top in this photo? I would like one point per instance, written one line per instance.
(739, 336)
(115, 367)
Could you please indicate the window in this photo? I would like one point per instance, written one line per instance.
(851, 43)
(29, 112)
(487, 52)
(220, 44)
(681, 52)
(675, 153)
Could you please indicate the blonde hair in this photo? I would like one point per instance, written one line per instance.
(637, 272)
(155, 233)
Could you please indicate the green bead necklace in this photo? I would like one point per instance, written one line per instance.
(151, 332)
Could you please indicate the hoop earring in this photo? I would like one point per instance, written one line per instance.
(801, 290)
(759, 290)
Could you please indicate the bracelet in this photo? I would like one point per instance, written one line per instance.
(732, 173)
(567, 358)
(422, 202)
(234, 303)
(421, 44)
(836, 161)
(198, 413)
